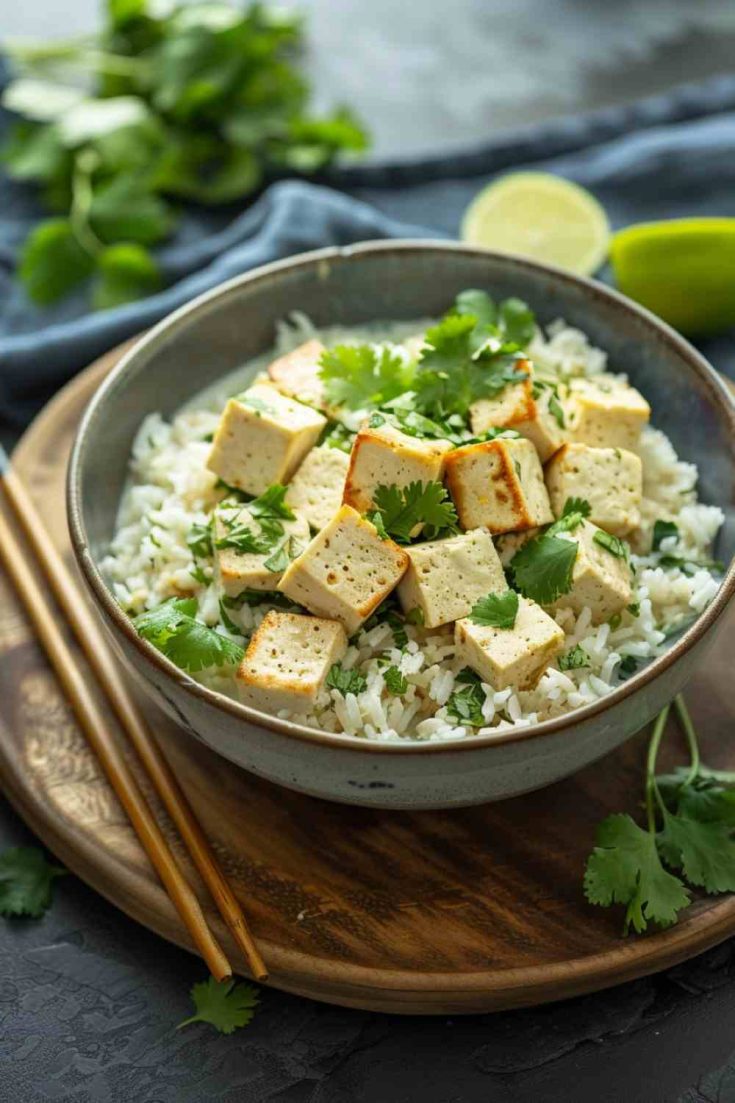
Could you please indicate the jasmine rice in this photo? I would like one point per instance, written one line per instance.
(171, 491)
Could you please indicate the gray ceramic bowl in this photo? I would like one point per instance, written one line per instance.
(396, 280)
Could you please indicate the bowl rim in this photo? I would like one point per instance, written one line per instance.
(703, 623)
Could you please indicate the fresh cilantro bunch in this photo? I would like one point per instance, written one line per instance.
(173, 628)
(225, 1005)
(687, 841)
(201, 103)
(400, 509)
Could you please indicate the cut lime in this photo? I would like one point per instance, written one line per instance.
(682, 270)
(540, 216)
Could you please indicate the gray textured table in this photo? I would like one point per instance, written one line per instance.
(88, 1001)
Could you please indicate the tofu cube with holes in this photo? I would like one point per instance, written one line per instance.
(610, 479)
(297, 374)
(515, 657)
(445, 578)
(346, 570)
(606, 412)
(518, 407)
(317, 487)
(288, 660)
(385, 456)
(498, 485)
(262, 438)
(236, 570)
(600, 579)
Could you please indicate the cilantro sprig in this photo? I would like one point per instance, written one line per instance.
(400, 509)
(543, 568)
(174, 630)
(225, 1005)
(687, 841)
(362, 376)
(26, 881)
(199, 103)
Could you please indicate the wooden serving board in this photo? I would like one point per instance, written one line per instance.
(429, 913)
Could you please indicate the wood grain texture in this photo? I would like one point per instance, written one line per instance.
(424, 913)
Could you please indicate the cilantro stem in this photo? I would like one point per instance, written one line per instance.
(653, 795)
(81, 202)
(684, 717)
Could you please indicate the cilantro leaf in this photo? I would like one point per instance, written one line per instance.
(52, 261)
(174, 630)
(361, 376)
(517, 322)
(226, 1004)
(241, 538)
(398, 628)
(126, 272)
(612, 544)
(576, 505)
(496, 610)
(401, 509)
(574, 659)
(281, 558)
(625, 868)
(338, 436)
(542, 569)
(346, 681)
(628, 665)
(26, 881)
(395, 682)
(703, 851)
(661, 531)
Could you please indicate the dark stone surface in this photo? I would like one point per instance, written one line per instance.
(89, 1004)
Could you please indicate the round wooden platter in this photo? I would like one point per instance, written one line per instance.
(428, 913)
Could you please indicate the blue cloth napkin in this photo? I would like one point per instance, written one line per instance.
(662, 157)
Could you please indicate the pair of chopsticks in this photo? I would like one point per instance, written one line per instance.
(94, 723)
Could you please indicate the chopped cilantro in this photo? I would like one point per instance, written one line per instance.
(243, 539)
(401, 509)
(174, 630)
(612, 544)
(398, 628)
(662, 530)
(396, 682)
(628, 665)
(465, 705)
(199, 540)
(346, 681)
(496, 610)
(634, 609)
(272, 504)
(415, 616)
(281, 558)
(338, 436)
(574, 659)
(199, 575)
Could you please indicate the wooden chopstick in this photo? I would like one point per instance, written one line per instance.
(105, 668)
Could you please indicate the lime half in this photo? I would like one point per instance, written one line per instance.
(683, 270)
(540, 216)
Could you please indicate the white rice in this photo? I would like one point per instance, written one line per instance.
(171, 489)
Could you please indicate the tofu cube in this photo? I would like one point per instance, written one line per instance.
(516, 408)
(288, 660)
(605, 412)
(600, 579)
(317, 487)
(498, 485)
(236, 571)
(445, 578)
(297, 374)
(515, 657)
(346, 570)
(610, 479)
(384, 456)
(262, 438)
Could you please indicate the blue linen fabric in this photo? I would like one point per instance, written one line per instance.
(662, 157)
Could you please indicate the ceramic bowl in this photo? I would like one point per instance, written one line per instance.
(396, 280)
